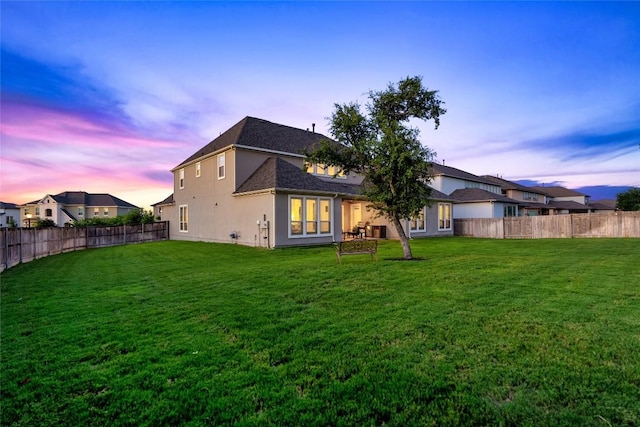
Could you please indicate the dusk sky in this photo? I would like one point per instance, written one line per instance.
(108, 97)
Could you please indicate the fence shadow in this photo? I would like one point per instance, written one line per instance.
(19, 245)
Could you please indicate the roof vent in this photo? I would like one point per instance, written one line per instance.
(313, 127)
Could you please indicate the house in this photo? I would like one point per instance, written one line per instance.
(9, 214)
(562, 200)
(69, 206)
(531, 201)
(251, 186)
(474, 196)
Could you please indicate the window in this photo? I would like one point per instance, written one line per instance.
(181, 178)
(526, 196)
(444, 216)
(80, 211)
(198, 170)
(418, 223)
(510, 210)
(37, 210)
(96, 211)
(221, 162)
(48, 212)
(184, 218)
(322, 170)
(105, 212)
(309, 216)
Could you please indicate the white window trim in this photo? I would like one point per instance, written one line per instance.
(423, 224)
(224, 165)
(186, 222)
(198, 170)
(450, 217)
(314, 168)
(181, 178)
(304, 216)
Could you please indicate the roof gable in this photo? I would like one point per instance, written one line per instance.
(262, 135)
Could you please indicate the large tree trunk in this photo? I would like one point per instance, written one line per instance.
(406, 249)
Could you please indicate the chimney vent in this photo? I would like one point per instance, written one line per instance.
(313, 127)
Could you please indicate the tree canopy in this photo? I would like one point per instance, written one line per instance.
(381, 146)
(629, 200)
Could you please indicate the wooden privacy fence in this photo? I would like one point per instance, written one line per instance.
(26, 244)
(620, 224)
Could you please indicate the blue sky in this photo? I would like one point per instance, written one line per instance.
(109, 96)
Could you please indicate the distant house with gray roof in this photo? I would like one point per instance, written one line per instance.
(251, 186)
(65, 208)
(9, 214)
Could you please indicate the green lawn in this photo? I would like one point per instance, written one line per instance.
(480, 332)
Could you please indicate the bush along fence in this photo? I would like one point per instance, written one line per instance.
(18, 245)
(620, 224)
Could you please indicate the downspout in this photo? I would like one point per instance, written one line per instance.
(333, 232)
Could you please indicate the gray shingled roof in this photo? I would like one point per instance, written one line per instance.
(557, 191)
(276, 173)
(479, 195)
(261, 134)
(167, 201)
(439, 169)
(507, 185)
(5, 205)
(569, 205)
(88, 199)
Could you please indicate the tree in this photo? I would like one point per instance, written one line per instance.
(629, 200)
(382, 147)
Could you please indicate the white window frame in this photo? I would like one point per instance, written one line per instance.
(303, 217)
(420, 223)
(222, 168)
(442, 222)
(181, 178)
(80, 211)
(322, 170)
(198, 170)
(183, 218)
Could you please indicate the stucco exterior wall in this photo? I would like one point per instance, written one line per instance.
(474, 210)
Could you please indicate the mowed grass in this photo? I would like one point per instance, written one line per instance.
(480, 332)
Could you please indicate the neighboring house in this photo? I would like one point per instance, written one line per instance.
(251, 186)
(9, 214)
(474, 196)
(561, 200)
(531, 201)
(64, 208)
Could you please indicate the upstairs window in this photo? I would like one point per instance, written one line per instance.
(322, 170)
(48, 212)
(96, 211)
(221, 164)
(181, 178)
(106, 212)
(198, 170)
(80, 211)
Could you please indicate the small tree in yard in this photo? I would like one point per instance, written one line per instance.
(385, 150)
(629, 200)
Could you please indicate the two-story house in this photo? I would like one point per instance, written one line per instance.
(251, 186)
(563, 200)
(474, 196)
(531, 201)
(69, 206)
